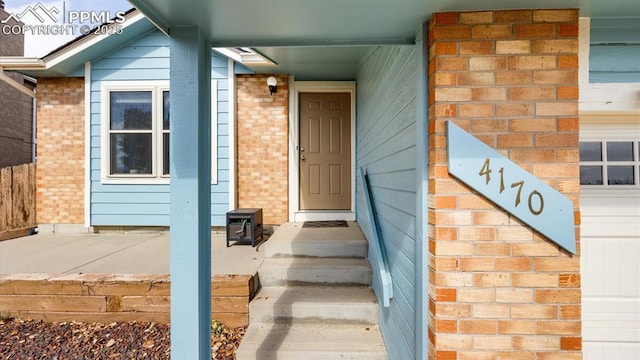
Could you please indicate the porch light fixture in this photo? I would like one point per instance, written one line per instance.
(273, 85)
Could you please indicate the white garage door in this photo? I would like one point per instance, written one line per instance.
(610, 242)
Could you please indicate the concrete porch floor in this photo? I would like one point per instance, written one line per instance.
(116, 253)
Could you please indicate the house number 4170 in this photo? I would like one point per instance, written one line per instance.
(486, 172)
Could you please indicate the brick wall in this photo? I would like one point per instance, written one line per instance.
(262, 147)
(60, 152)
(498, 289)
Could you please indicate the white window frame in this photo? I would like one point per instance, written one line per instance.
(604, 133)
(156, 88)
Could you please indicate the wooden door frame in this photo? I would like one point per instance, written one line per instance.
(296, 87)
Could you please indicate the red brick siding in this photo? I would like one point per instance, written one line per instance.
(60, 151)
(262, 147)
(498, 289)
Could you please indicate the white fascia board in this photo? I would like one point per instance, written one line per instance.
(13, 63)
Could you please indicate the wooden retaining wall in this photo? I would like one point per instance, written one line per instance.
(110, 298)
(17, 200)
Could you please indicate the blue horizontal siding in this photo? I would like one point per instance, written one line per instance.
(614, 50)
(386, 147)
(147, 58)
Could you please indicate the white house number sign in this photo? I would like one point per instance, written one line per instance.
(512, 188)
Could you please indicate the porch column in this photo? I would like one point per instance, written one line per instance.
(190, 154)
(498, 289)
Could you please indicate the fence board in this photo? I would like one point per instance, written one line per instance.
(17, 200)
(6, 202)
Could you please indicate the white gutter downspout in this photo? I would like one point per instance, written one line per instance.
(232, 133)
(34, 123)
(16, 85)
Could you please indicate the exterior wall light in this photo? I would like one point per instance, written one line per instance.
(273, 85)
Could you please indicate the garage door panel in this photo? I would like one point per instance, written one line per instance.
(610, 227)
(611, 320)
(610, 268)
(613, 351)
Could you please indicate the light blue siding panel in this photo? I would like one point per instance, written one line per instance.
(223, 130)
(159, 51)
(223, 107)
(615, 50)
(223, 153)
(239, 69)
(131, 74)
(132, 63)
(147, 58)
(386, 147)
(218, 220)
(131, 220)
(130, 209)
(615, 30)
(394, 162)
(218, 73)
(403, 181)
(223, 85)
(136, 197)
(601, 56)
(614, 77)
(117, 190)
(218, 61)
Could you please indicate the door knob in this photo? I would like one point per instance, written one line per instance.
(302, 149)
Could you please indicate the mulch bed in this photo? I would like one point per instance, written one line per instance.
(30, 339)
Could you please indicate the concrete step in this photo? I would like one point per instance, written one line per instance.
(300, 270)
(293, 304)
(292, 239)
(312, 342)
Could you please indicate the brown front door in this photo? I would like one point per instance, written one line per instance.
(325, 151)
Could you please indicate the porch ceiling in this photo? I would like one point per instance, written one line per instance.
(278, 27)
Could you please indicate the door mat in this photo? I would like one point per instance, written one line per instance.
(325, 224)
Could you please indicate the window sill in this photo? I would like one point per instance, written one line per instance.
(609, 192)
(139, 181)
(134, 181)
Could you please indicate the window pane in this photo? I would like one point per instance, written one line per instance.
(165, 154)
(590, 151)
(620, 151)
(620, 175)
(590, 175)
(131, 154)
(165, 110)
(130, 110)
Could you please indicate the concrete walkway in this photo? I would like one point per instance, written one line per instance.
(116, 253)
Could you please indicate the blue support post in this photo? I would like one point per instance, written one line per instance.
(190, 154)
